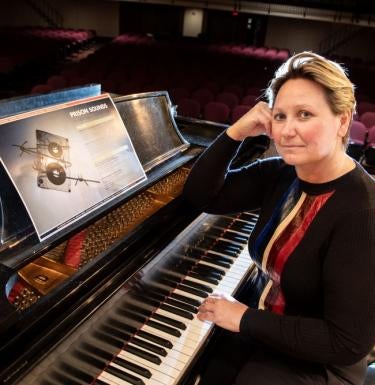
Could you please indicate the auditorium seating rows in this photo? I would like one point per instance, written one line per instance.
(22, 45)
(215, 82)
(137, 63)
(223, 73)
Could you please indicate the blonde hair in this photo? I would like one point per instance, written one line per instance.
(337, 87)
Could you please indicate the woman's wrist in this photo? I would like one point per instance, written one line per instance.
(234, 134)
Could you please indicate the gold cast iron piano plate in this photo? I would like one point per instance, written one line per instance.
(45, 274)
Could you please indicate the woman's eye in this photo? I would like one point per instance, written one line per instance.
(304, 114)
(279, 116)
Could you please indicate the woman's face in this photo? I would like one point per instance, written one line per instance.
(305, 130)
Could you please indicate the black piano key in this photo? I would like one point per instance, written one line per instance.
(233, 225)
(219, 244)
(242, 227)
(62, 378)
(179, 312)
(196, 285)
(206, 242)
(248, 217)
(169, 321)
(49, 382)
(191, 290)
(156, 290)
(171, 273)
(96, 351)
(193, 258)
(132, 367)
(155, 296)
(124, 375)
(204, 278)
(147, 346)
(156, 339)
(214, 232)
(225, 250)
(228, 244)
(224, 221)
(194, 252)
(182, 305)
(217, 232)
(139, 310)
(182, 298)
(75, 372)
(212, 270)
(143, 354)
(123, 336)
(89, 359)
(164, 328)
(121, 325)
(218, 258)
(222, 253)
(99, 382)
(180, 266)
(184, 260)
(235, 237)
(168, 282)
(128, 314)
(147, 300)
(108, 339)
(216, 261)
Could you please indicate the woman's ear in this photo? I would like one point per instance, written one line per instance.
(345, 120)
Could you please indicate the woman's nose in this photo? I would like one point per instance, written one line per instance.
(289, 128)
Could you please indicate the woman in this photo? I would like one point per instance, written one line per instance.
(309, 313)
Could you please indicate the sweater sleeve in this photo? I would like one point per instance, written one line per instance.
(212, 187)
(346, 333)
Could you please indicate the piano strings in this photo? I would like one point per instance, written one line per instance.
(47, 272)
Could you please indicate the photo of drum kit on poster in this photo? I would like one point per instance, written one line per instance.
(52, 162)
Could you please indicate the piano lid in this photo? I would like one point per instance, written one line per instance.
(49, 266)
(149, 120)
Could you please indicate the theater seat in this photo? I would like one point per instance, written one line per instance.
(238, 112)
(368, 160)
(368, 119)
(358, 132)
(228, 98)
(189, 108)
(216, 112)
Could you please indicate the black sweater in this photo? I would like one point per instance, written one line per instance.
(313, 297)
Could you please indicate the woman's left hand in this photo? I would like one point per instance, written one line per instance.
(224, 311)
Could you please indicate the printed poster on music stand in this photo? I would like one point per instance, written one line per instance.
(67, 160)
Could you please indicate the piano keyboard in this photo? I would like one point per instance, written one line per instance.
(148, 333)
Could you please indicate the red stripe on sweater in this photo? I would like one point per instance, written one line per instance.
(286, 244)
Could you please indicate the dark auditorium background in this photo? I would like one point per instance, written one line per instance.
(198, 50)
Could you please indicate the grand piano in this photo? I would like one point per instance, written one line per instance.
(112, 298)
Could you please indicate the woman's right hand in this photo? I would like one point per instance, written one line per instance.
(255, 122)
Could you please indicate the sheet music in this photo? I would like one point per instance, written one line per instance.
(67, 160)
